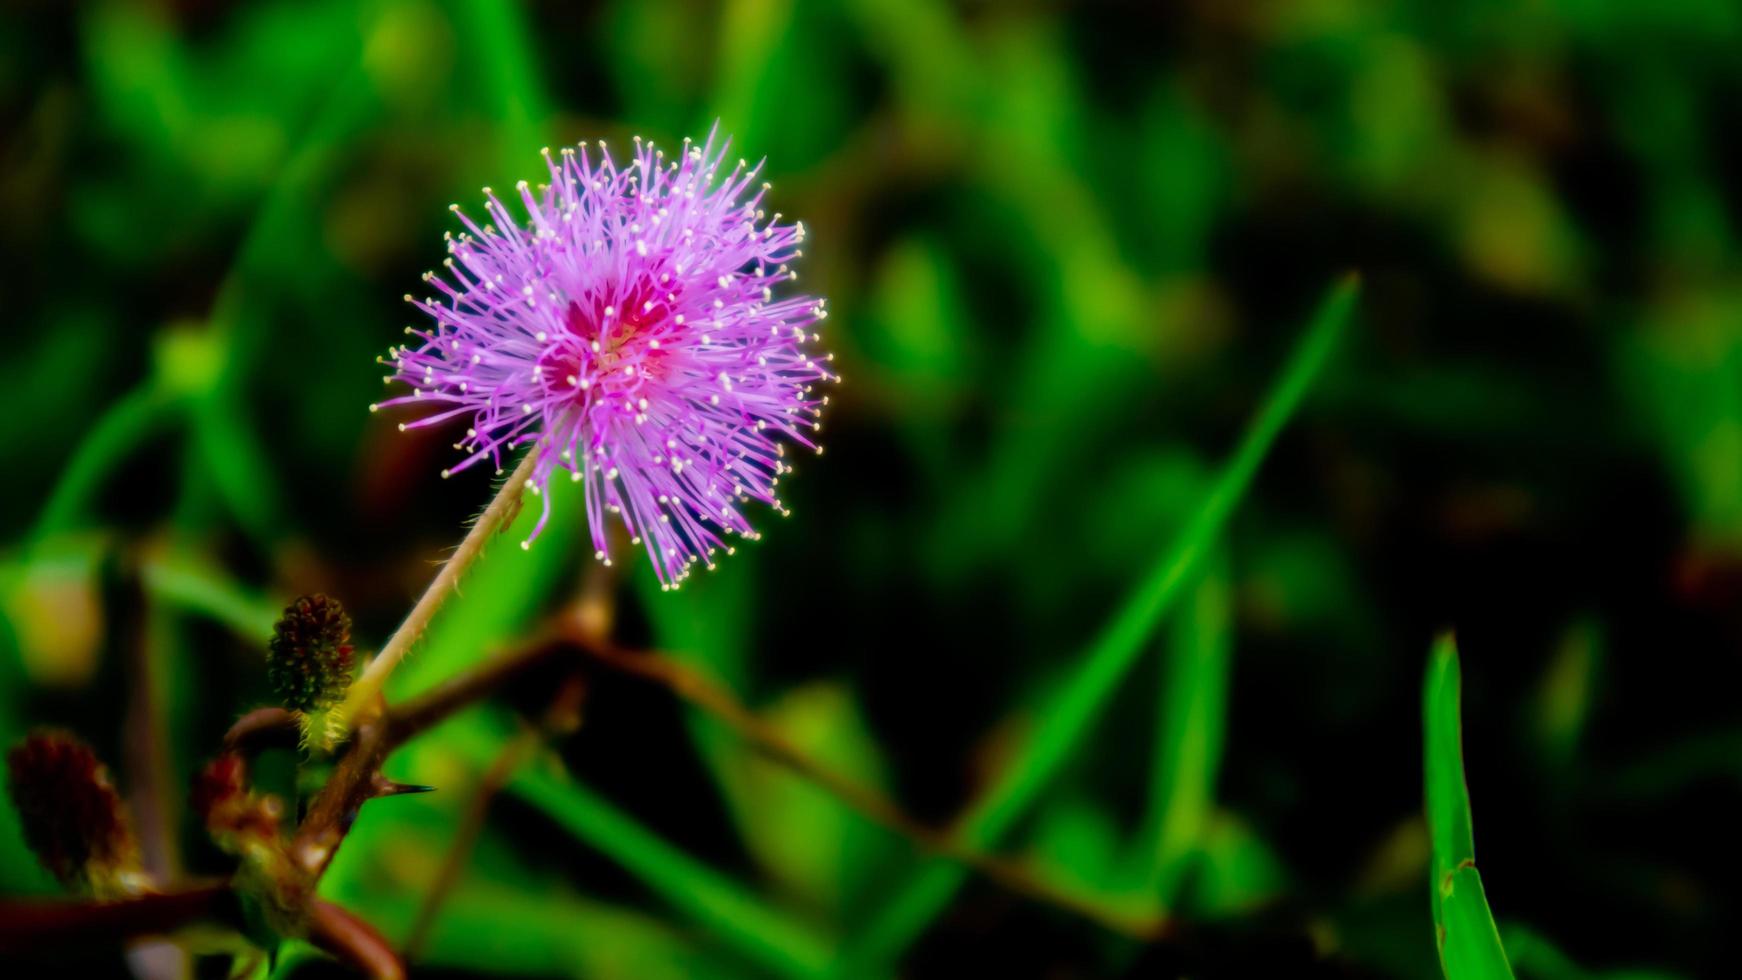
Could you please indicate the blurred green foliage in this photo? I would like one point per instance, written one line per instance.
(1040, 587)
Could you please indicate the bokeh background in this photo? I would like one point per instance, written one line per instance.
(1067, 247)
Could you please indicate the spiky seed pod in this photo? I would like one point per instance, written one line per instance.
(72, 817)
(309, 659)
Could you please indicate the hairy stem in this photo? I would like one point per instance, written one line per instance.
(496, 516)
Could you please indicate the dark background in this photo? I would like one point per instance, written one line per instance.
(1067, 249)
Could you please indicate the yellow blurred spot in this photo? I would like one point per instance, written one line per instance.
(56, 614)
(409, 51)
(1512, 232)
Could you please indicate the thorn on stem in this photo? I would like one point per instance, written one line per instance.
(382, 786)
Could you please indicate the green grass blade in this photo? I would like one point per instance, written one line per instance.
(1062, 723)
(1448, 801)
(232, 463)
(1192, 724)
(239, 471)
(1469, 943)
(774, 940)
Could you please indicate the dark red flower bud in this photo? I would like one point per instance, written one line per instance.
(231, 810)
(73, 818)
(309, 659)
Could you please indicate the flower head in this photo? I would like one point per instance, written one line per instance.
(629, 330)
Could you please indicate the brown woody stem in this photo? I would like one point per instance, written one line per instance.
(354, 781)
(352, 941)
(705, 694)
(37, 927)
(261, 729)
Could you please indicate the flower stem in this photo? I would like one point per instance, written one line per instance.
(495, 517)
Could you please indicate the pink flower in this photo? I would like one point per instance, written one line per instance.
(631, 332)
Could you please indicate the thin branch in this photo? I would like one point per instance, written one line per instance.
(592, 616)
(705, 694)
(495, 517)
(352, 941)
(146, 745)
(356, 778)
(513, 755)
(262, 729)
(415, 715)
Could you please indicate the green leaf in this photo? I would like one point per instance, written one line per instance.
(1448, 800)
(503, 914)
(817, 849)
(508, 76)
(1067, 715)
(1193, 721)
(772, 938)
(188, 582)
(1236, 871)
(912, 330)
(1076, 845)
(232, 457)
(511, 911)
(1536, 958)
(495, 930)
(1469, 943)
